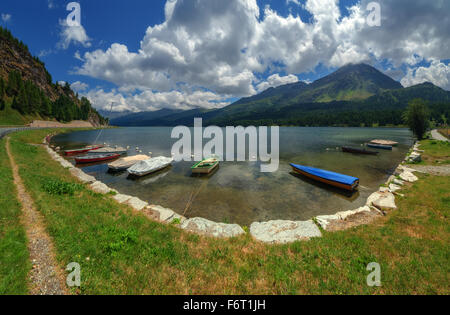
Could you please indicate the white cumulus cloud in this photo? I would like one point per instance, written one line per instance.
(437, 73)
(224, 46)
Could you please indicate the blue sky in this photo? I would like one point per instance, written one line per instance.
(171, 75)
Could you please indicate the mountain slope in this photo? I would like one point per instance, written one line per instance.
(27, 91)
(353, 95)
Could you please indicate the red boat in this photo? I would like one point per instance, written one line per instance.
(82, 150)
(96, 158)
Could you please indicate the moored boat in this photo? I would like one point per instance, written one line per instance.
(109, 150)
(149, 166)
(82, 150)
(331, 178)
(379, 146)
(126, 162)
(359, 151)
(205, 166)
(95, 158)
(384, 142)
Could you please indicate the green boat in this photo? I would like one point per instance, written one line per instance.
(205, 166)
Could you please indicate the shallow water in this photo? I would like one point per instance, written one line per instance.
(238, 192)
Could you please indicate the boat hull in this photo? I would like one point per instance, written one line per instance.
(150, 166)
(379, 146)
(154, 170)
(96, 159)
(349, 187)
(80, 151)
(358, 151)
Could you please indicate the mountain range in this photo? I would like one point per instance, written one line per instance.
(355, 95)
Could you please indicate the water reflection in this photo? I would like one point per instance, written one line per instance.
(239, 192)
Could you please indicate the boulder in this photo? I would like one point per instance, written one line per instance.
(347, 219)
(382, 201)
(281, 231)
(383, 189)
(209, 228)
(385, 203)
(414, 157)
(83, 177)
(398, 182)
(100, 188)
(394, 188)
(121, 198)
(325, 220)
(136, 203)
(408, 176)
(162, 214)
(346, 214)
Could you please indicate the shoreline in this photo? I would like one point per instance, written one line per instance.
(379, 204)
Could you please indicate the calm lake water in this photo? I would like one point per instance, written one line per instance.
(238, 192)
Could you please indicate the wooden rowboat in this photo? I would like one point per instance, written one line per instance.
(359, 151)
(96, 158)
(384, 142)
(379, 146)
(205, 166)
(334, 179)
(82, 150)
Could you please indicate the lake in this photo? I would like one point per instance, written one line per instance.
(238, 192)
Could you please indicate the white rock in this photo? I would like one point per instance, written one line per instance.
(382, 201)
(325, 220)
(408, 177)
(385, 202)
(164, 214)
(121, 198)
(383, 189)
(343, 215)
(100, 188)
(414, 157)
(136, 203)
(83, 177)
(398, 182)
(406, 169)
(281, 231)
(66, 164)
(394, 187)
(209, 228)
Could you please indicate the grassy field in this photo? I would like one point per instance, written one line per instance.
(437, 152)
(14, 260)
(11, 117)
(121, 251)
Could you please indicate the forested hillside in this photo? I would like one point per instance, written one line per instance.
(27, 91)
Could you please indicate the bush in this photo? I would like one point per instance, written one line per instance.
(57, 187)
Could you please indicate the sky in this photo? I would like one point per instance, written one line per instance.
(147, 55)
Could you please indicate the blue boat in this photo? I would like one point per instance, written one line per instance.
(379, 146)
(334, 179)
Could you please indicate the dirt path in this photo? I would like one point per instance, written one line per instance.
(46, 278)
(437, 136)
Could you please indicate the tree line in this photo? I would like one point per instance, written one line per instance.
(29, 99)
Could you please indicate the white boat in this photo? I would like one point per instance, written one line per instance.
(149, 166)
(126, 162)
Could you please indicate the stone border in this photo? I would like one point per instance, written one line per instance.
(274, 232)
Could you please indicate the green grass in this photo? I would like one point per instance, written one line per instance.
(14, 257)
(436, 152)
(11, 117)
(122, 252)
